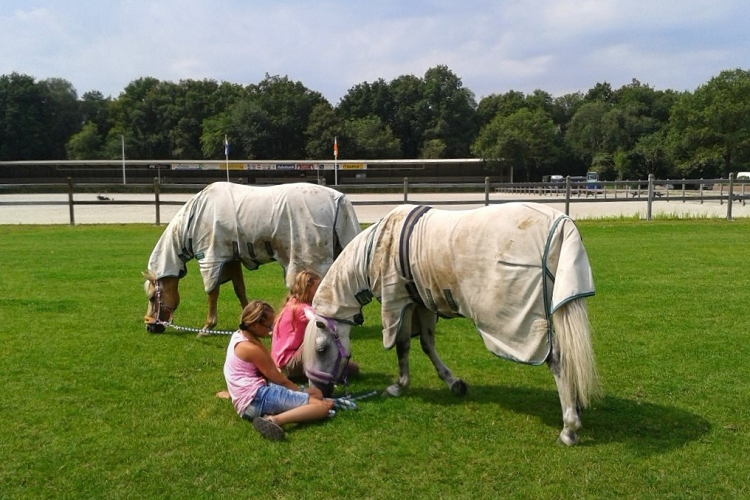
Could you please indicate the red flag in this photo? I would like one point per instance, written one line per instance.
(335, 148)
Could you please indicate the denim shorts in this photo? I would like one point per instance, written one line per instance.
(273, 399)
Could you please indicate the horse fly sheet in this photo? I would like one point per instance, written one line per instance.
(302, 226)
(507, 267)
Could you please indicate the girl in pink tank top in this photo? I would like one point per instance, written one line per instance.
(258, 390)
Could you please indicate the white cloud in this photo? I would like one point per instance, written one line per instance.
(555, 45)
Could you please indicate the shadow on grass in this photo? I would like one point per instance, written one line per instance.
(646, 427)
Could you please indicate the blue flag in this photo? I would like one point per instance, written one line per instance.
(226, 146)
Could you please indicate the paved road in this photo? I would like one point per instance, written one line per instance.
(114, 213)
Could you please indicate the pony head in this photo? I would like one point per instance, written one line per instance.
(326, 352)
(163, 299)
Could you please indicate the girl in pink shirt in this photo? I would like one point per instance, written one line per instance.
(289, 328)
(258, 390)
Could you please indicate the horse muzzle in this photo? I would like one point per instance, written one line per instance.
(326, 389)
(155, 327)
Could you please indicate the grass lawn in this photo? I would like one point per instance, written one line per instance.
(94, 407)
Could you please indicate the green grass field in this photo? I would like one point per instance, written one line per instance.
(94, 407)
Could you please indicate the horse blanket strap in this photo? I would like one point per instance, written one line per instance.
(251, 253)
(403, 251)
(364, 297)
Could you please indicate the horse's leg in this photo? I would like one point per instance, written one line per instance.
(426, 320)
(568, 399)
(211, 317)
(403, 345)
(234, 269)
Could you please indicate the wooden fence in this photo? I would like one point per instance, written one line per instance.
(725, 191)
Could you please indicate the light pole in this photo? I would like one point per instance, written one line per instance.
(226, 154)
(122, 141)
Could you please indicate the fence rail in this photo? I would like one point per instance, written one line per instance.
(567, 192)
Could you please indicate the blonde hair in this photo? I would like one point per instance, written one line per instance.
(256, 311)
(302, 289)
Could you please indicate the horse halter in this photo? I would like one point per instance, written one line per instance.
(325, 378)
(156, 320)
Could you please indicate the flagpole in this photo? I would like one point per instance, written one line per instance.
(335, 161)
(226, 154)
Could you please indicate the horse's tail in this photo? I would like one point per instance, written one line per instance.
(577, 362)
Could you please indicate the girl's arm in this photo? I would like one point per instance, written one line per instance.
(258, 356)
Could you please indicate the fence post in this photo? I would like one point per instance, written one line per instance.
(156, 201)
(650, 196)
(721, 194)
(70, 202)
(486, 191)
(567, 195)
(731, 193)
(406, 190)
(683, 190)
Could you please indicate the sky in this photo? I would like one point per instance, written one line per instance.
(493, 46)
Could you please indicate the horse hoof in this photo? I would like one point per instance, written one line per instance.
(392, 391)
(459, 388)
(568, 438)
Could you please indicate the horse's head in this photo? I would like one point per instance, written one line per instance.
(326, 352)
(163, 299)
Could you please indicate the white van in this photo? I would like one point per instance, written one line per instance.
(743, 176)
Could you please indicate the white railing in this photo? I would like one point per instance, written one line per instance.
(696, 190)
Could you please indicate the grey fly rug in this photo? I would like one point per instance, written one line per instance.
(507, 267)
(302, 226)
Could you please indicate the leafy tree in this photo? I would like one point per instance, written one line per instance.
(712, 125)
(585, 133)
(564, 107)
(63, 113)
(652, 154)
(141, 116)
(283, 107)
(451, 112)
(367, 138)
(409, 118)
(600, 92)
(323, 127)
(433, 149)
(502, 104)
(36, 119)
(367, 99)
(195, 101)
(526, 140)
(86, 144)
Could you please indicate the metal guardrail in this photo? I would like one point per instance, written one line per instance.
(551, 192)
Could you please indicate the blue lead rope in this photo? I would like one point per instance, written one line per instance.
(348, 402)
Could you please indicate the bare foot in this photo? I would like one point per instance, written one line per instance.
(222, 394)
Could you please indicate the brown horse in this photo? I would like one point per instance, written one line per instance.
(227, 226)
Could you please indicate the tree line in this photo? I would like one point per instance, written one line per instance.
(624, 133)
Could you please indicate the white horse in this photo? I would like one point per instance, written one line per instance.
(518, 270)
(226, 225)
